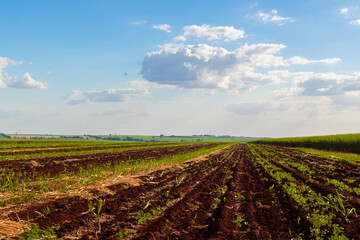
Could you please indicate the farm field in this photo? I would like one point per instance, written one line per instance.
(189, 191)
(340, 155)
(349, 143)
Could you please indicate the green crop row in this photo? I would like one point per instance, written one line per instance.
(77, 151)
(321, 210)
(317, 172)
(15, 145)
(341, 142)
(27, 189)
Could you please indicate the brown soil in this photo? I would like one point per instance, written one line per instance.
(224, 195)
(324, 169)
(53, 166)
(200, 199)
(69, 149)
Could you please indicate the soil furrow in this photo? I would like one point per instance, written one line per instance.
(56, 165)
(189, 217)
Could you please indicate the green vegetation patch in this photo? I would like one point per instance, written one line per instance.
(31, 189)
(353, 157)
(341, 142)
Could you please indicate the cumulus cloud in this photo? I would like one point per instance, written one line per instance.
(112, 95)
(26, 82)
(204, 66)
(5, 62)
(302, 61)
(163, 27)
(227, 33)
(273, 17)
(355, 22)
(179, 39)
(319, 84)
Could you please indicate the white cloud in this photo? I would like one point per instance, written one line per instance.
(26, 82)
(5, 62)
(112, 95)
(344, 10)
(143, 84)
(179, 39)
(204, 66)
(139, 22)
(273, 17)
(302, 61)
(214, 33)
(355, 22)
(320, 84)
(2, 84)
(163, 27)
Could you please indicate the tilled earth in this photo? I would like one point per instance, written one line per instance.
(224, 196)
(52, 166)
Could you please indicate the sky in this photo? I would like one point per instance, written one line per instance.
(240, 68)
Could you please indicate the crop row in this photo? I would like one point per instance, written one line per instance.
(24, 181)
(330, 207)
(221, 197)
(245, 191)
(84, 150)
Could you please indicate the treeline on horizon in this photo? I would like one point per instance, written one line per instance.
(340, 142)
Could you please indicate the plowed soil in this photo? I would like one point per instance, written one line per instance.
(53, 166)
(226, 195)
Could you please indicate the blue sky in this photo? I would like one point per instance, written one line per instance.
(250, 68)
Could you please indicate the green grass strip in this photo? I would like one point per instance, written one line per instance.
(340, 142)
(27, 156)
(352, 157)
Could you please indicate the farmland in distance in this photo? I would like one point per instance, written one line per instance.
(112, 190)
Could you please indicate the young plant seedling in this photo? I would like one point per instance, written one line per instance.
(193, 220)
(239, 222)
(240, 197)
(123, 234)
(95, 209)
(46, 210)
(336, 204)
